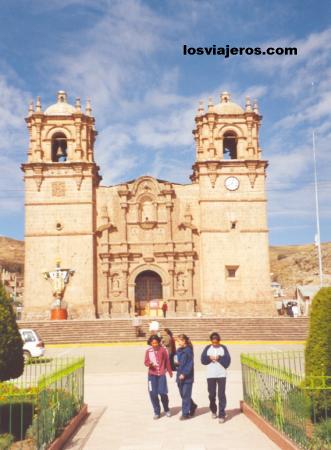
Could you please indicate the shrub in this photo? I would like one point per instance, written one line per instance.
(16, 418)
(318, 350)
(318, 345)
(38, 360)
(56, 408)
(11, 345)
(322, 436)
(6, 441)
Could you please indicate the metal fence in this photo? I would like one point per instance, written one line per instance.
(275, 386)
(35, 407)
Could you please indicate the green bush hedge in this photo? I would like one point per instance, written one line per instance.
(6, 441)
(318, 351)
(318, 345)
(11, 345)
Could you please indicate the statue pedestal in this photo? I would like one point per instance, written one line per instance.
(59, 314)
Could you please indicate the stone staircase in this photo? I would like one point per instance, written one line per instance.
(121, 330)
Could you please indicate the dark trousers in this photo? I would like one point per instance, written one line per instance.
(164, 313)
(158, 387)
(156, 402)
(213, 384)
(185, 390)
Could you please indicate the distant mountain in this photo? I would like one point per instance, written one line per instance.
(290, 264)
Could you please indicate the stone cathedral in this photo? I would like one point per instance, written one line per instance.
(201, 247)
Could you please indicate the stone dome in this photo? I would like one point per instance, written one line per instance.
(61, 107)
(226, 106)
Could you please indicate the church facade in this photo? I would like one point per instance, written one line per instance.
(201, 247)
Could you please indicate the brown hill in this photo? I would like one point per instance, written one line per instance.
(290, 264)
(293, 265)
(11, 254)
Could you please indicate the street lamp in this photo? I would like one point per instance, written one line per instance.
(318, 234)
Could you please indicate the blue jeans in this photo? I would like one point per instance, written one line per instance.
(185, 390)
(157, 386)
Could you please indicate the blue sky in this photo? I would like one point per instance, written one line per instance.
(127, 56)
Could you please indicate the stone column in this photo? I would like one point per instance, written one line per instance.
(190, 282)
(78, 149)
(172, 284)
(38, 141)
(169, 224)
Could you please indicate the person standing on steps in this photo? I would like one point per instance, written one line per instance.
(136, 323)
(164, 309)
(185, 375)
(217, 359)
(158, 363)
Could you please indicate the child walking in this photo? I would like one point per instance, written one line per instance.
(217, 359)
(158, 363)
(185, 375)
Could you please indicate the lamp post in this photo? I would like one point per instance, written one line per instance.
(59, 278)
(318, 234)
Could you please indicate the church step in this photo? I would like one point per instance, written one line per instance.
(119, 330)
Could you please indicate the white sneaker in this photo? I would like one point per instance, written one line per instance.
(221, 420)
(214, 415)
(156, 416)
(168, 413)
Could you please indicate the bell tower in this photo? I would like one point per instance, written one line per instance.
(234, 256)
(60, 178)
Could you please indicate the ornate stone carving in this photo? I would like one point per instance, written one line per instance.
(116, 285)
(212, 172)
(79, 176)
(58, 189)
(252, 171)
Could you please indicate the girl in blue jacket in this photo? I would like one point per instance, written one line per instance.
(185, 375)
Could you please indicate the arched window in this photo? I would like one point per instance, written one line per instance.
(230, 145)
(59, 147)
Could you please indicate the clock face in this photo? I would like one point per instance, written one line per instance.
(232, 183)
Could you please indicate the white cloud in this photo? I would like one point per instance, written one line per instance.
(13, 108)
(13, 142)
(171, 169)
(111, 62)
(11, 186)
(113, 155)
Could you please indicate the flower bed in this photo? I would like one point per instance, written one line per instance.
(37, 407)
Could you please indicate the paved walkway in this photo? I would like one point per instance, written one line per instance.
(122, 418)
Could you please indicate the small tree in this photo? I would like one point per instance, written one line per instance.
(11, 345)
(318, 349)
(318, 345)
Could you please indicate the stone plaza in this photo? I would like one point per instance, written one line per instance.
(122, 417)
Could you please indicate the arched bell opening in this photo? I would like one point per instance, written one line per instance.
(59, 147)
(230, 142)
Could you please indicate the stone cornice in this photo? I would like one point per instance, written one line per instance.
(230, 200)
(217, 230)
(73, 233)
(58, 203)
(167, 254)
(40, 170)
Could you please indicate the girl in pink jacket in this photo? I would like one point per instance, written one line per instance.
(158, 363)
